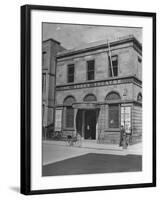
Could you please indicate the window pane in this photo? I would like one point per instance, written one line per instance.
(90, 97)
(113, 116)
(90, 65)
(113, 96)
(70, 78)
(44, 56)
(90, 75)
(69, 117)
(70, 73)
(90, 70)
(115, 71)
(71, 70)
(43, 83)
(114, 65)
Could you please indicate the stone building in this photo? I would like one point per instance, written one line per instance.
(98, 89)
(49, 50)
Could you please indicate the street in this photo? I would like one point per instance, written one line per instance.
(60, 159)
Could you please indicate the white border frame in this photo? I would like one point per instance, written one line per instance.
(44, 183)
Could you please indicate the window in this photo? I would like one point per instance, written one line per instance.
(69, 117)
(113, 109)
(113, 96)
(139, 97)
(113, 69)
(71, 73)
(69, 112)
(44, 54)
(114, 116)
(139, 60)
(90, 70)
(43, 83)
(90, 97)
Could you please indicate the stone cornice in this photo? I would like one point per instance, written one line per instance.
(99, 83)
(130, 101)
(124, 40)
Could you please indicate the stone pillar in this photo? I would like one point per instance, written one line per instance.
(75, 114)
(83, 123)
(102, 121)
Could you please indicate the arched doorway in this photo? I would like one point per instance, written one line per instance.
(87, 117)
(69, 112)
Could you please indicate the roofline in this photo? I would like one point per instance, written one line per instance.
(130, 38)
(51, 39)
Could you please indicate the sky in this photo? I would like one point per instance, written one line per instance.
(72, 36)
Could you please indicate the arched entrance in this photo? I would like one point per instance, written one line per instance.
(68, 112)
(86, 118)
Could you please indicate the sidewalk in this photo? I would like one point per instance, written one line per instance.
(131, 149)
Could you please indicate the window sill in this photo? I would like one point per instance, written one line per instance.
(68, 129)
(112, 130)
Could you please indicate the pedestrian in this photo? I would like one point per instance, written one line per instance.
(122, 131)
(125, 142)
(79, 139)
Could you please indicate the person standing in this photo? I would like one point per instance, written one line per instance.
(122, 132)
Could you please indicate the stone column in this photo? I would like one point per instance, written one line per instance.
(102, 122)
(83, 123)
(75, 114)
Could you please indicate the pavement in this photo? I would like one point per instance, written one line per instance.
(55, 151)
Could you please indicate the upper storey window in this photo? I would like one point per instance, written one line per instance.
(139, 60)
(90, 69)
(113, 66)
(44, 83)
(44, 57)
(70, 77)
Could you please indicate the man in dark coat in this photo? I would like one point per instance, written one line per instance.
(122, 131)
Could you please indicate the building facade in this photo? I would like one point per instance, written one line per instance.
(98, 88)
(49, 51)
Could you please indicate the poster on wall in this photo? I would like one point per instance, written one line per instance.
(58, 119)
(126, 118)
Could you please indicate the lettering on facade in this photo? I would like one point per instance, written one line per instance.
(95, 84)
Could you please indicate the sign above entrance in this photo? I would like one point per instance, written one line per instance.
(85, 105)
(107, 82)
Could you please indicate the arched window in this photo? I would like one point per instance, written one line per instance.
(113, 110)
(113, 96)
(90, 97)
(139, 97)
(68, 101)
(69, 112)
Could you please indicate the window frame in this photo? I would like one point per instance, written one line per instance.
(119, 120)
(87, 63)
(66, 118)
(109, 69)
(72, 74)
(44, 53)
(139, 60)
(44, 82)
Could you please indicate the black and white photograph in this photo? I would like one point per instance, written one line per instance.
(92, 99)
(80, 100)
(88, 99)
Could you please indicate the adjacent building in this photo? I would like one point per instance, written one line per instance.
(94, 89)
(49, 50)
